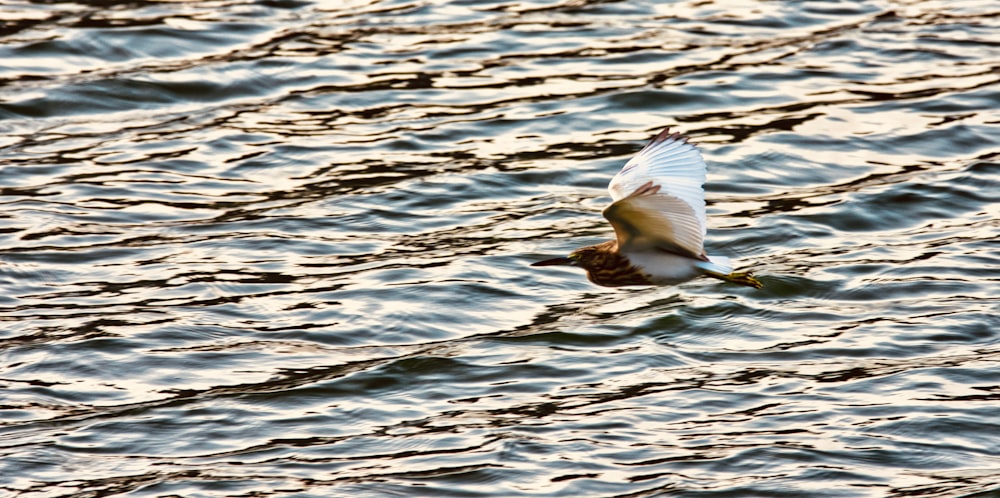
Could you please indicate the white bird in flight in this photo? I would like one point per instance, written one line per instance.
(658, 215)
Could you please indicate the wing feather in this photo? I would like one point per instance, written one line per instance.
(673, 164)
(650, 220)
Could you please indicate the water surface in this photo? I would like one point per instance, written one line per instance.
(281, 249)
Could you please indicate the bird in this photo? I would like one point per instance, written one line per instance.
(658, 215)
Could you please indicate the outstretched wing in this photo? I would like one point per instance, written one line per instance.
(673, 164)
(650, 220)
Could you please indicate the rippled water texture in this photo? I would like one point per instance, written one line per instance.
(281, 249)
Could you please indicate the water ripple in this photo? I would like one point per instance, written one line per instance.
(276, 248)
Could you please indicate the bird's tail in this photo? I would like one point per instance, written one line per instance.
(717, 264)
(721, 267)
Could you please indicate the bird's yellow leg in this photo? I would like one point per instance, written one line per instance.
(736, 277)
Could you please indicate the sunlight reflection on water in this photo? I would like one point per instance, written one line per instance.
(281, 248)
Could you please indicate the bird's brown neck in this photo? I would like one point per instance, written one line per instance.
(607, 266)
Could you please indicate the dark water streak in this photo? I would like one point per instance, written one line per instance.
(280, 248)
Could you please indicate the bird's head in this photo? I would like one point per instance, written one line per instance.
(604, 264)
(588, 258)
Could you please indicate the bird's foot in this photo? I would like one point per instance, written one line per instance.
(744, 278)
(736, 277)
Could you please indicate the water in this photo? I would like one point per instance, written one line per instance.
(281, 249)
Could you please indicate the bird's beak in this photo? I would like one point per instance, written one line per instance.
(555, 261)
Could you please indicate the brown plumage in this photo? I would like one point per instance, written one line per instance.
(608, 267)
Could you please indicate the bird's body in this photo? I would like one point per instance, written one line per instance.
(659, 219)
(666, 268)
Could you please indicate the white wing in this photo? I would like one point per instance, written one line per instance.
(673, 164)
(648, 220)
